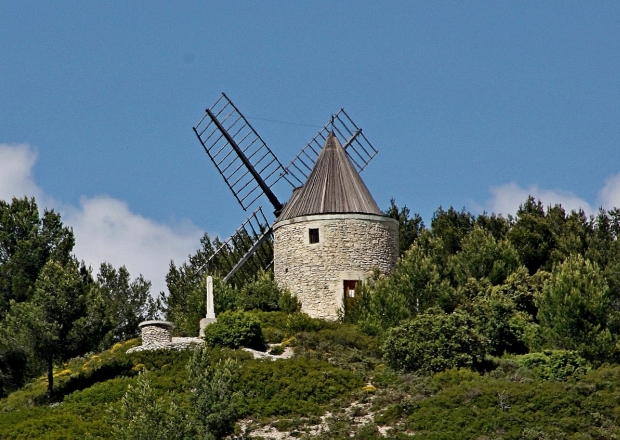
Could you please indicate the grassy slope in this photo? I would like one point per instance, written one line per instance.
(333, 364)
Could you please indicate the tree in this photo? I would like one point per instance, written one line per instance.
(418, 279)
(451, 226)
(495, 224)
(378, 306)
(408, 228)
(572, 233)
(214, 403)
(262, 294)
(531, 235)
(482, 256)
(145, 416)
(603, 246)
(574, 311)
(127, 302)
(63, 318)
(498, 320)
(27, 242)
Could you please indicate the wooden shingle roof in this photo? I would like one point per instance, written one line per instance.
(333, 186)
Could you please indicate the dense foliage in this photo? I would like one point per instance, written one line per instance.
(489, 327)
(51, 307)
(435, 341)
(545, 279)
(185, 304)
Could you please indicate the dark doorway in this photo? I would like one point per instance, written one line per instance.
(350, 295)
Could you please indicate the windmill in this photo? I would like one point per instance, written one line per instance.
(252, 171)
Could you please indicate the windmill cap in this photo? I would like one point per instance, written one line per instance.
(333, 186)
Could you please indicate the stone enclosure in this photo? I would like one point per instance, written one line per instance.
(158, 335)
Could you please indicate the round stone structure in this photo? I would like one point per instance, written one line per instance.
(156, 332)
(320, 258)
(331, 235)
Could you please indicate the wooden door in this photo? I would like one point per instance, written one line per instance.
(350, 297)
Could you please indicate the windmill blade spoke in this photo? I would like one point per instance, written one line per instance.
(224, 132)
(246, 252)
(357, 146)
(251, 252)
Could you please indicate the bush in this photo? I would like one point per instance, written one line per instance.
(234, 330)
(295, 386)
(276, 350)
(300, 322)
(144, 415)
(262, 294)
(289, 303)
(553, 364)
(435, 341)
(212, 400)
(498, 320)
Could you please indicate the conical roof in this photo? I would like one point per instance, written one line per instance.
(333, 186)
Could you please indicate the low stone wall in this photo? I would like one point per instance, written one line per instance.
(175, 344)
(157, 335)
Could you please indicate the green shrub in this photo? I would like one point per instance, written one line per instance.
(144, 415)
(295, 386)
(273, 335)
(274, 325)
(262, 294)
(300, 322)
(214, 405)
(343, 337)
(276, 320)
(500, 322)
(276, 350)
(345, 346)
(289, 303)
(435, 341)
(234, 330)
(553, 364)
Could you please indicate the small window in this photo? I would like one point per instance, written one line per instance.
(314, 235)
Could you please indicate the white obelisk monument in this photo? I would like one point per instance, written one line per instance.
(210, 318)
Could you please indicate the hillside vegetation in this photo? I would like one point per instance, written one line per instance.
(489, 327)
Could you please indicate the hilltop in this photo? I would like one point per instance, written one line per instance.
(335, 386)
(488, 327)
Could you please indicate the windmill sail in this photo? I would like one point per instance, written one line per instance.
(357, 146)
(250, 169)
(248, 166)
(247, 251)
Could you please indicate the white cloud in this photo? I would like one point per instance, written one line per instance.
(507, 198)
(16, 162)
(105, 228)
(609, 196)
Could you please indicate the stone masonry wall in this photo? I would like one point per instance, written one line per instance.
(154, 334)
(350, 247)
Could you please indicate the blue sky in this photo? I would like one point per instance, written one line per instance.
(471, 104)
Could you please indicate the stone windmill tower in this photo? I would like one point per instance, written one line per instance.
(330, 234)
